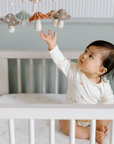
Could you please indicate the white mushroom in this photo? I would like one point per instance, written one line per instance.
(35, 4)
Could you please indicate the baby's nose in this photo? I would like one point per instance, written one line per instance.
(84, 56)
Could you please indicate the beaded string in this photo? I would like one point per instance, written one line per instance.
(54, 5)
(23, 1)
(62, 4)
(37, 11)
(11, 4)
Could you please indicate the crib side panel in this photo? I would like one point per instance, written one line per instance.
(4, 87)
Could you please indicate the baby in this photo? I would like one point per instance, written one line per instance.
(87, 81)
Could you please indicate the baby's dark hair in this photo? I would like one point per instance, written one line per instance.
(108, 59)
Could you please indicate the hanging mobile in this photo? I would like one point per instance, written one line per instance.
(10, 20)
(23, 15)
(50, 16)
(37, 17)
(61, 15)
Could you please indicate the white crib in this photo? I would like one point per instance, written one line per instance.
(47, 111)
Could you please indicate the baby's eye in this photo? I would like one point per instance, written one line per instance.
(85, 51)
(90, 56)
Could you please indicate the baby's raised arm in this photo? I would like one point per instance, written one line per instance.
(67, 67)
(51, 40)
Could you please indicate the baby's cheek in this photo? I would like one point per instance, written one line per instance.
(89, 67)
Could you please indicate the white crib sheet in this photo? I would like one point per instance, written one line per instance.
(41, 126)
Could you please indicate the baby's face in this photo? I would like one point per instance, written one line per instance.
(90, 60)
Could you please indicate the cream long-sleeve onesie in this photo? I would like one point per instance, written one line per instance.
(79, 88)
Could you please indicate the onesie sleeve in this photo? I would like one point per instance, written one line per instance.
(108, 97)
(67, 67)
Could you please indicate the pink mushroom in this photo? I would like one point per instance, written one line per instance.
(50, 16)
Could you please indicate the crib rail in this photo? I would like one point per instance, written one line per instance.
(36, 54)
(57, 111)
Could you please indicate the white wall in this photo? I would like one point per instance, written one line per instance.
(76, 8)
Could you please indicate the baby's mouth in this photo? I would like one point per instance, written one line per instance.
(81, 61)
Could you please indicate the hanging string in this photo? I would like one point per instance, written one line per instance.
(11, 4)
(23, 1)
(62, 4)
(23, 4)
(54, 5)
(37, 7)
(37, 12)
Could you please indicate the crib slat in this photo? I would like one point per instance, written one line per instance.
(19, 74)
(52, 132)
(92, 131)
(4, 86)
(31, 131)
(112, 132)
(43, 76)
(72, 131)
(31, 75)
(56, 79)
(11, 131)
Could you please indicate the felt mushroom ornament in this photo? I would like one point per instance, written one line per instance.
(35, 4)
(23, 15)
(37, 17)
(11, 21)
(50, 16)
(61, 15)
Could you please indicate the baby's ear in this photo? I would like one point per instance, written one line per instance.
(103, 70)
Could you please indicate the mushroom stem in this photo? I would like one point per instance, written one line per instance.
(60, 24)
(38, 25)
(35, 6)
(11, 29)
(23, 22)
(54, 22)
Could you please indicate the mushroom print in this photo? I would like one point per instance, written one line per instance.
(11, 21)
(37, 16)
(23, 16)
(35, 4)
(61, 15)
(54, 21)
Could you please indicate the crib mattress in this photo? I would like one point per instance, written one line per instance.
(41, 126)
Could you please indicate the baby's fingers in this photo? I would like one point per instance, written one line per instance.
(42, 36)
(55, 34)
(44, 33)
(49, 32)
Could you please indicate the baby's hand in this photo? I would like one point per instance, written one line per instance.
(51, 40)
